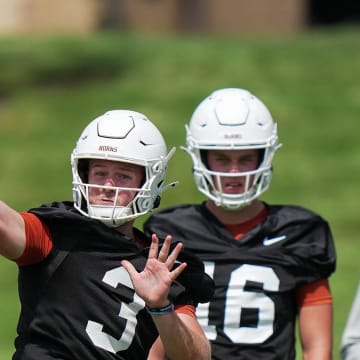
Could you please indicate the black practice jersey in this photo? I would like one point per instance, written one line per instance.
(79, 303)
(252, 314)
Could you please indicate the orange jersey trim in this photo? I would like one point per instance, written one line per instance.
(239, 230)
(38, 240)
(186, 309)
(315, 293)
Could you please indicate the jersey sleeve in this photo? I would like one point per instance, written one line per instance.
(185, 309)
(38, 240)
(309, 251)
(314, 293)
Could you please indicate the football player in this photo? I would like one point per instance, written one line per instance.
(270, 263)
(91, 285)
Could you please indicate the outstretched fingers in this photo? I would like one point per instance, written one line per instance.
(154, 252)
(178, 270)
(170, 259)
(154, 247)
(161, 269)
(129, 268)
(164, 251)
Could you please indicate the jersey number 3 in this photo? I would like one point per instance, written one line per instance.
(237, 299)
(128, 312)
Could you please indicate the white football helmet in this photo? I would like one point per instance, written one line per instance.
(230, 119)
(125, 136)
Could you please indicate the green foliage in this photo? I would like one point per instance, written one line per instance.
(51, 87)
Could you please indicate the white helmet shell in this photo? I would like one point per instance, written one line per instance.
(124, 136)
(230, 119)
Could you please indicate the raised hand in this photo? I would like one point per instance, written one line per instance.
(153, 283)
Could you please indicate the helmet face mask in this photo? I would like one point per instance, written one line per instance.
(123, 136)
(231, 119)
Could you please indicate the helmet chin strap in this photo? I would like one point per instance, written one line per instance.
(234, 208)
(111, 216)
(231, 206)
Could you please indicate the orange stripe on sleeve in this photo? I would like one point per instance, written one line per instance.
(315, 293)
(38, 240)
(186, 309)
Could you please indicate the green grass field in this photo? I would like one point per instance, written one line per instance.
(51, 87)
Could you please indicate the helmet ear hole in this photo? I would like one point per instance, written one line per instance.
(83, 169)
(204, 158)
(261, 156)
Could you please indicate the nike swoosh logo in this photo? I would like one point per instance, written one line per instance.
(270, 241)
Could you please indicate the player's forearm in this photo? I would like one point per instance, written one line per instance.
(12, 232)
(320, 348)
(179, 341)
(318, 355)
(315, 328)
